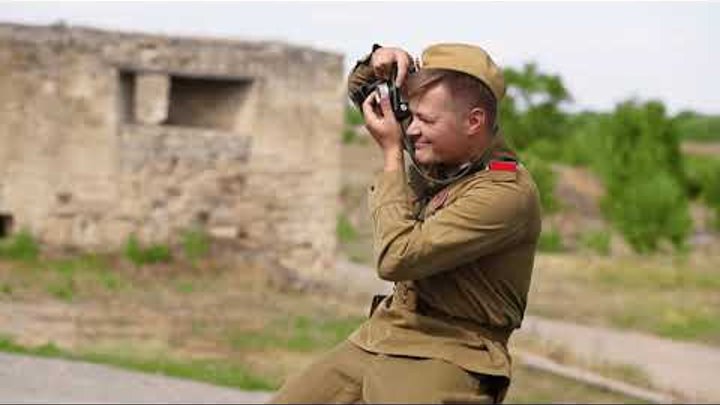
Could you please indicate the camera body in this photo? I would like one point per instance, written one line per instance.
(400, 107)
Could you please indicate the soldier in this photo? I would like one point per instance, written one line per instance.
(460, 249)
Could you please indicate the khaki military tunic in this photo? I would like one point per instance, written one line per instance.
(462, 263)
(462, 269)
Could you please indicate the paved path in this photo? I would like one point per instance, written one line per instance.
(25, 379)
(693, 370)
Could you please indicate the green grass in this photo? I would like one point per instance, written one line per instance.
(20, 247)
(550, 241)
(62, 278)
(674, 276)
(195, 244)
(140, 255)
(297, 334)
(681, 323)
(186, 287)
(345, 230)
(63, 289)
(596, 241)
(675, 298)
(8, 345)
(6, 289)
(684, 324)
(353, 117)
(224, 373)
(348, 136)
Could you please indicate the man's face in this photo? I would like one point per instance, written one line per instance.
(437, 130)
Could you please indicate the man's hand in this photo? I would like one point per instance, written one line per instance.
(384, 128)
(383, 59)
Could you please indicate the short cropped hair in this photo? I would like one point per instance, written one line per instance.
(467, 91)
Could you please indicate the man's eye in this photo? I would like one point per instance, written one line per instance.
(423, 119)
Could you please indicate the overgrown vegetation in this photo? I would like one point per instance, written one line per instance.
(21, 246)
(63, 278)
(300, 334)
(644, 176)
(345, 230)
(531, 109)
(140, 255)
(545, 179)
(550, 241)
(353, 119)
(596, 241)
(195, 244)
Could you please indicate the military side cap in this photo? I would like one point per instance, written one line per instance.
(468, 59)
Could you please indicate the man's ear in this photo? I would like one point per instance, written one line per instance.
(477, 120)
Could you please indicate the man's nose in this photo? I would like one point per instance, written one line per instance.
(413, 130)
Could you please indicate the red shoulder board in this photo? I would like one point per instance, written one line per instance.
(503, 166)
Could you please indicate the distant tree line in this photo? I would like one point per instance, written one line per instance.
(635, 149)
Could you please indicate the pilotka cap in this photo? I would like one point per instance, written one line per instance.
(469, 59)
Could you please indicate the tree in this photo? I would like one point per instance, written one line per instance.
(530, 110)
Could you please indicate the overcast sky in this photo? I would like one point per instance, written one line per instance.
(605, 52)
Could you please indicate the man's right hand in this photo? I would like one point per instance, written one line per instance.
(383, 59)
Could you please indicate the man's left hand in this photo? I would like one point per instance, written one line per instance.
(381, 122)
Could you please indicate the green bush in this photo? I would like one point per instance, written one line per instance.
(597, 241)
(545, 179)
(196, 244)
(550, 241)
(21, 246)
(645, 178)
(348, 136)
(703, 182)
(353, 117)
(345, 230)
(139, 255)
(531, 112)
(642, 140)
(648, 209)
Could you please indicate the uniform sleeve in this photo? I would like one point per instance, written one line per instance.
(361, 74)
(486, 218)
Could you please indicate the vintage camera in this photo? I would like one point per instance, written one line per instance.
(400, 107)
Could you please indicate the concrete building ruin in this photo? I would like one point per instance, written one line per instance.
(106, 134)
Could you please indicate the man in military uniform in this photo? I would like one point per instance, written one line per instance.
(460, 252)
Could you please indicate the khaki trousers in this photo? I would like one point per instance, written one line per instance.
(348, 374)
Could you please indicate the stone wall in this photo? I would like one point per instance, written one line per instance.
(105, 134)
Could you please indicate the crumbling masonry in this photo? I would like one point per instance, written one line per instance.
(105, 134)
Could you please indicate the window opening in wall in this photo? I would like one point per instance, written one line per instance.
(126, 102)
(207, 102)
(6, 225)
